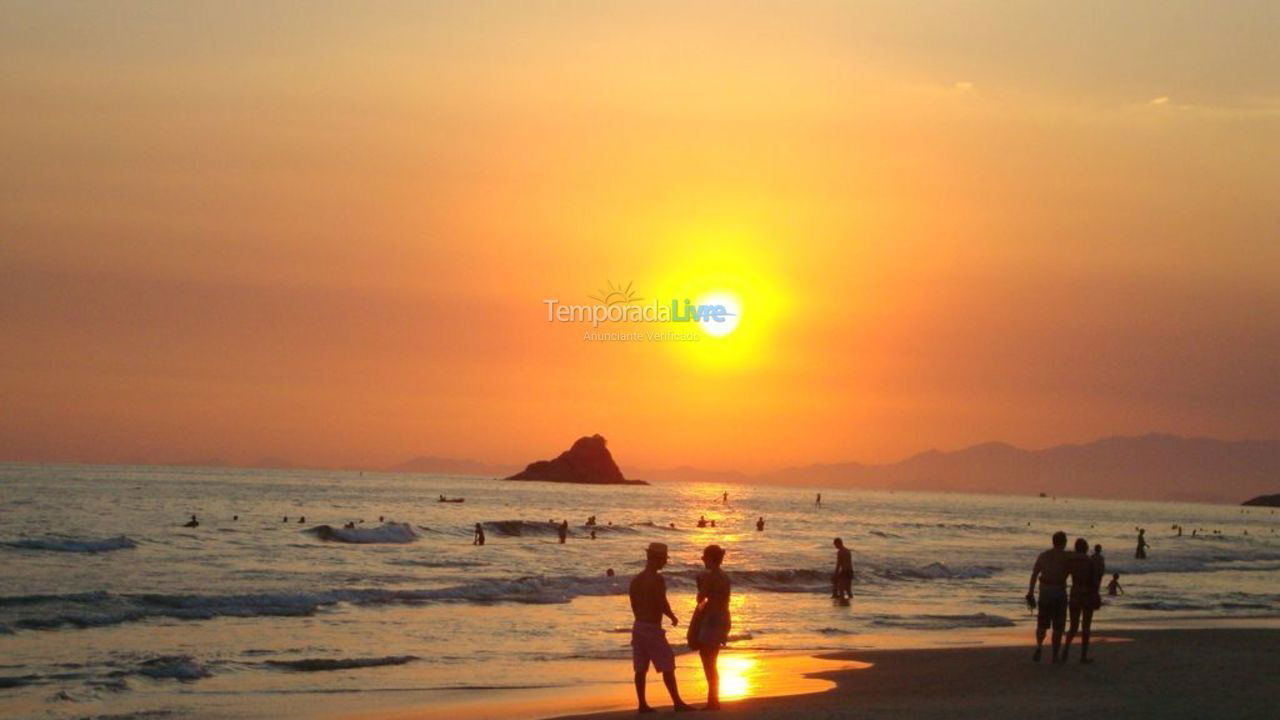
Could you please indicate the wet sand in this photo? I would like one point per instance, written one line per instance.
(1212, 673)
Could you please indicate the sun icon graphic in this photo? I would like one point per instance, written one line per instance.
(617, 295)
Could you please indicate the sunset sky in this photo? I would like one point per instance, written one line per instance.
(325, 232)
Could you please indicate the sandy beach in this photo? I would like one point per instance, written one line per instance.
(1218, 673)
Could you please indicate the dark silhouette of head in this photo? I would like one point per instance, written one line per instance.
(838, 543)
(1059, 539)
(1097, 549)
(655, 556)
(712, 556)
(1082, 545)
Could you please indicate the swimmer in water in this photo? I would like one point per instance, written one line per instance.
(193, 522)
(1113, 587)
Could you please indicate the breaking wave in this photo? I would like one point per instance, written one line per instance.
(389, 533)
(941, 622)
(58, 543)
(177, 667)
(325, 664)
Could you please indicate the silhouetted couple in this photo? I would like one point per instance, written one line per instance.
(709, 628)
(1052, 568)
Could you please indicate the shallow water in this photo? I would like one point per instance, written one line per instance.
(108, 605)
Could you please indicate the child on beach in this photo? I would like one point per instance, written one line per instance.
(1113, 587)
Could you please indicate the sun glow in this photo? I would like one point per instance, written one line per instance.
(732, 268)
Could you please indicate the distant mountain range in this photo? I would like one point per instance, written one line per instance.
(1144, 467)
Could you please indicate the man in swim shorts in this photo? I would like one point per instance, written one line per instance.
(1051, 570)
(648, 639)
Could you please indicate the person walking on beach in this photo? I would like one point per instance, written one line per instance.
(563, 531)
(648, 640)
(1141, 552)
(1050, 570)
(479, 539)
(842, 579)
(1084, 599)
(713, 610)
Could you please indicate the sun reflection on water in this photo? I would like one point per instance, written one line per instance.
(738, 676)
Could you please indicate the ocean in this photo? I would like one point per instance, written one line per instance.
(109, 606)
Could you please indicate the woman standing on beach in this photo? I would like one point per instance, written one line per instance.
(713, 599)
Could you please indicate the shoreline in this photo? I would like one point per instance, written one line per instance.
(1178, 673)
(914, 681)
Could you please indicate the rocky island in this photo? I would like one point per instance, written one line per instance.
(1264, 501)
(588, 462)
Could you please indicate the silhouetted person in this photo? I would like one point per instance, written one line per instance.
(302, 519)
(1084, 599)
(608, 572)
(713, 631)
(193, 522)
(842, 579)
(818, 501)
(593, 534)
(760, 525)
(713, 523)
(648, 640)
(1113, 587)
(1141, 552)
(563, 531)
(725, 498)
(1051, 571)
(702, 521)
(235, 518)
(379, 519)
(284, 519)
(591, 521)
(1099, 567)
(479, 539)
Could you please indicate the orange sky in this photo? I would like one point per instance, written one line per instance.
(238, 230)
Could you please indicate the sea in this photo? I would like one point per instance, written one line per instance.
(110, 607)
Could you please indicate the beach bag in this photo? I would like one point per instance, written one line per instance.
(694, 633)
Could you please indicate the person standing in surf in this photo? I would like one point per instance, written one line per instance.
(648, 640)
(713, 610)
(1141, 552)
(842, 579)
